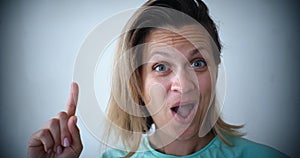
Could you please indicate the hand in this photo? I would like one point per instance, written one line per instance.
(60, 137)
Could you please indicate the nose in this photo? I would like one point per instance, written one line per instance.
(184, 81)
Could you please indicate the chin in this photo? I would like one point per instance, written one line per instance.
(186, 133)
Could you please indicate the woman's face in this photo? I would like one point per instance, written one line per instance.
(177, 81)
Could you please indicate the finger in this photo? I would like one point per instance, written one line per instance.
(65, 136)
(42, 137)
(72, 101)
(75, 134)
(54, 127)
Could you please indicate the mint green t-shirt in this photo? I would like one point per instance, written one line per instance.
(242, 148)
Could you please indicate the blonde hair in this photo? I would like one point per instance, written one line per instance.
(125, 109)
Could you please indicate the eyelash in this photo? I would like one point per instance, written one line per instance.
(167, 68)
(161, 64)
(204, 63)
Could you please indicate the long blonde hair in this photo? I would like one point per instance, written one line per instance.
(125, 109)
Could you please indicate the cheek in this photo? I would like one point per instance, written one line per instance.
(205, 84)
(154, 93)
(153, 89)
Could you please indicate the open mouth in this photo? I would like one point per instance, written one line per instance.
(183, 110)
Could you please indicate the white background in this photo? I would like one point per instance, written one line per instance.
(41, 38)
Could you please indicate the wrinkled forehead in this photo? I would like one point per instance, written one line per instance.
(189, 36)
(194, 34)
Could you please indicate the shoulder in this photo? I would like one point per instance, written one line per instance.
(247, 148)
(216, 148)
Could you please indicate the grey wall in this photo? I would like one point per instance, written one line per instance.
(40, 40)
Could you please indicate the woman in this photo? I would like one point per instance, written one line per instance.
(163, 101)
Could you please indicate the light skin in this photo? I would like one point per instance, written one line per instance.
(60, 137)
(181, 70)
(185, 79)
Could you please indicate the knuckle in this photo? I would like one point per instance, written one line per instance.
(53, 123)
(62, 115)
(79, 148)
(43, 133)
(78, 131)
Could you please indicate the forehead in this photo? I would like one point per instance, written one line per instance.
(189, 35)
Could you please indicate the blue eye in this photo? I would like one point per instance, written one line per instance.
(161, 68)
(199, 63)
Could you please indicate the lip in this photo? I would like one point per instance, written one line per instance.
(180, 119)
(182, 103)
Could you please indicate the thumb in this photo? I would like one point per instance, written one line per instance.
(75, 134)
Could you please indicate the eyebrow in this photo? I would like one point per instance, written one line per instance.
(196, 51)
(192, 53)
(165, 54)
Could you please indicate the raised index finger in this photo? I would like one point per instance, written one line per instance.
(72, 101)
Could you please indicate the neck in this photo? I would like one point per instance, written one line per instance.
(181, 147)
